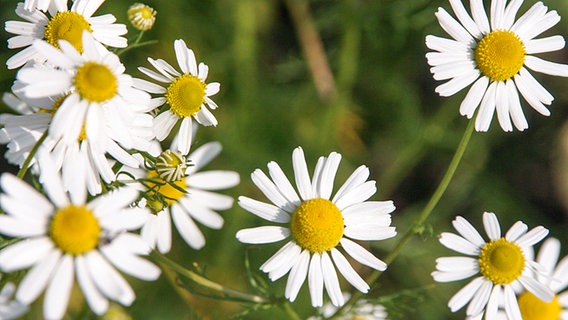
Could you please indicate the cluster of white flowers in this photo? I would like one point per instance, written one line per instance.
(81, 122)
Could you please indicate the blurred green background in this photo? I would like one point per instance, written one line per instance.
(376, 106)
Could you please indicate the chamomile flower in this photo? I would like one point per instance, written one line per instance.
(64, 238)
(503, 263)
(186, 95)
(142, 16)
(10, 308)
(100, 112)
(494, 54)
(555, 276)
(318, 225)
(61, 24)
(176, 189)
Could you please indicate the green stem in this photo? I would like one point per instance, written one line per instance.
(206, 283)
(287, 307)
(428, 209)
(29, 158)
(136, 45)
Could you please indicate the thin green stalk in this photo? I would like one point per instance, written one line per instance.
(26, 164)
(428, 209)
(287, 307)
(206, 283)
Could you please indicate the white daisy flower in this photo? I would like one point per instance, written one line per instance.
(178, 190)
(503, 264)
(494, 54)
(187, 95)
(318, 225)
(555, 276)
(67, 238)
(101, 113)
(61, 24)
(10, 308)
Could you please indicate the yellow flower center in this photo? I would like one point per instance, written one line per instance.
(95, 82)
(75, 230)
(171, 165)
(317, 225)
(67, 26)
(500, 55)
(162, 192)
(532, 308)
(501, 261)
(185, 95)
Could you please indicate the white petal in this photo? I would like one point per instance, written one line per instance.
(270, 190)
(491, 225)
(187, 228)
(547, 44)
(97, 302)
(480, 299)
(185, 136)
(301, 174)
(264, 234)
(59, 289)
(282, 183)
(515, 107)
(534, 236)
(24, 253)
(297, 276)
(290, 251)
(369, 232)
(511, 304)
(457, 264)
(479, 16)
(131, 264)
(465, 19)
(358, 177)
(452, 27)
(538, 289)
(201, 156)
(315, 280)
(213, 180)
(516, 230)
(324, 185)
(459, 244)
(546, 67)
(362, 255)
(473, 97)
(202, 213)
(264, 210)
(356, 195)
(468, 231)
(487, 108)
(348, 272)
(465, 294)
(36, 279)
(330, 280)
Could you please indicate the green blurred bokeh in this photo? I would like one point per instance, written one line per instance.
(385, 114)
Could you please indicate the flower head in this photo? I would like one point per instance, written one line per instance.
(187, 95)
(502, 263)
(318, 225)
(60, 24)
(494, 55)
(141, 16)
(64, 237)
(177, 189)
(98, 111)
